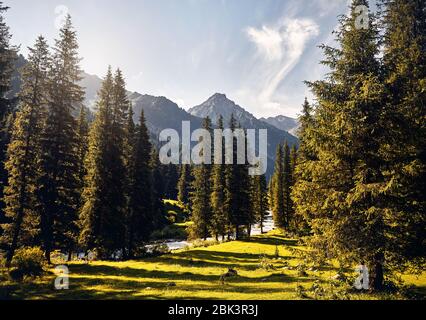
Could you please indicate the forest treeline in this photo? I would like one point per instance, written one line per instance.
(354, 188)
(73, 186)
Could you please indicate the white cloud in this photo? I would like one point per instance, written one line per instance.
(268, 41)
(279, 49)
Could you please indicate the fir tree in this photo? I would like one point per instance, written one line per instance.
(200, 196)
(24, 150)
(171, 180)
(219, 221)
(184, 184)
(404, 143)
(139, 211)
(101, 216)
(259, 199)
(58, 194)
(287, 185)
(277, 194)
(159, 219)
(302, 174)
(7, 53)
(342, 196)
(237, 189)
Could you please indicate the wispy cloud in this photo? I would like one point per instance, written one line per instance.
(279, 49)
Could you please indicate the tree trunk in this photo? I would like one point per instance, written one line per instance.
(47, 255)
(14, 243)
(376, 273)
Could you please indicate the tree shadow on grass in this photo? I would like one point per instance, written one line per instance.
(137, 284)
(274, 240)
(219, 259)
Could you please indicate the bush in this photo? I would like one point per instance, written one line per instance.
(160, 249)
(27, 262)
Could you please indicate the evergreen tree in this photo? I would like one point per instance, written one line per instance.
(219, 220)
(296, 223)
(184, 184)
(200, 196)
(286, 191)
(157, 194)
(101, 216)
(277, 194)
(306, 155)
(259, 199)
(139, 211)
(24, 150)
(171, 181)
(342, 197)
(82, 146)
(7, 53)
(58, 194)
(237, 189)
(404, 143)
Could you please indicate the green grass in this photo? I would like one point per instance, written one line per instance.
(195, 273)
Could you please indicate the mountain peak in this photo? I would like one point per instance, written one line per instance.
(218, 96)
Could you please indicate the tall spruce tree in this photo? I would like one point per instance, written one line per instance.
(296, 223)
(139, 210)
(159, 219)
(101, 216)
(58, 194)
(219, 221)
(24, 150)
(342, 198)
(200, 196)
(306, 154)
(7, 53)
(82, 143)
(404, 144)
(237, 188)
(286, 191)
(259, 199)
(184, 184)
(171, 181)
(277, 194)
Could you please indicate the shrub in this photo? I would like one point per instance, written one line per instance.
(27, 262)
(158, 249)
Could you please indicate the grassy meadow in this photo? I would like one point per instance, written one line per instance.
(267, 267)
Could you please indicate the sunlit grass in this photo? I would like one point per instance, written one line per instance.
(194, 274)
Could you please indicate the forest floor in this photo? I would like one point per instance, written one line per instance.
(266, 265)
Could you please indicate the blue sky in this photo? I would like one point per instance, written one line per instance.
(257, 52)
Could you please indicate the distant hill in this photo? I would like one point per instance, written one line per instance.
(288, 124)
(162, 113)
